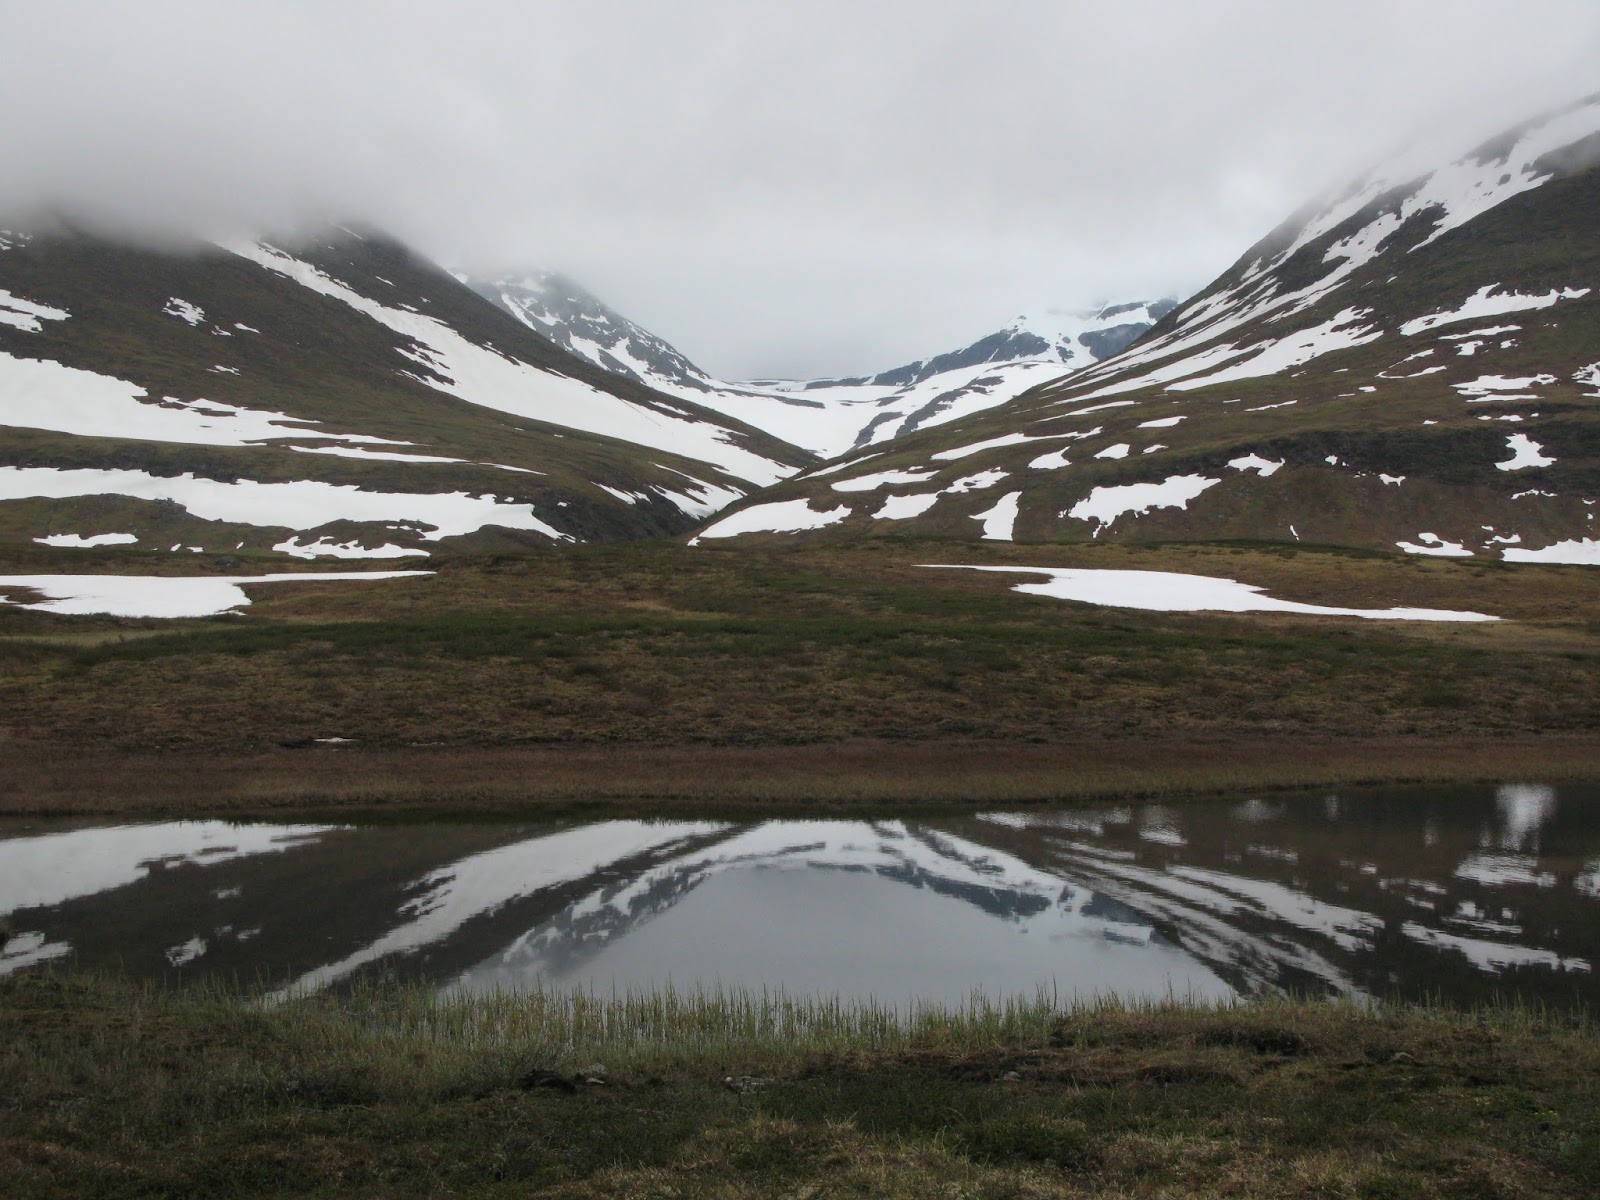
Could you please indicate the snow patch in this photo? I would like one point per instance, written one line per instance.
(975, 483)
(1120, 450)
(41, 394)
(1486, 303)
(26, 314)
(871, 483)
(324, 548)
(999, 521)
(295, 504)
(1010, 439)
(1291, 350)
(1579, 552)
(1254, 462)
(900, 508)
(94, 539)
(184, 311)
(1053, 461)
(1525, 452)
(1434, 545)
(1168, 591)
(1493, 385)
(783, 516)
(156, 595)
(1106, 504)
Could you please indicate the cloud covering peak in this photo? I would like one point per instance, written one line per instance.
(778, 189)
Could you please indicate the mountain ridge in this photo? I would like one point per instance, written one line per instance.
(239, 398)
(829, 416)
(1412, 362)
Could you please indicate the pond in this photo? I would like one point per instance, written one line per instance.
(1461, 894)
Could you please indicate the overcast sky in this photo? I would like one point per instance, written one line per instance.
(796, 188)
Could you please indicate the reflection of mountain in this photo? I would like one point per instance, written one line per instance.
(986, 919)
(1412, 893)
(1462, 895)
(997, 885)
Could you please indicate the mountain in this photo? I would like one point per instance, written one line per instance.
(1412, 363)
(334, 395)
(829, 417)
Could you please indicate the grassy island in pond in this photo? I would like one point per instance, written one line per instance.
(114, 1090)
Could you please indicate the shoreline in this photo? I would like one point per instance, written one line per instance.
(855, 778)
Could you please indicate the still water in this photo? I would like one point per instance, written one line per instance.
(1463, 894)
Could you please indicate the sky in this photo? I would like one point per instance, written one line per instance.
(777, 188)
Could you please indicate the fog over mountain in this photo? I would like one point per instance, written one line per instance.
(778, 190)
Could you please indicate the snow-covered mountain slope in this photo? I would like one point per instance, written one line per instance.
(830, 417)
(337, 396)
(1412, 364)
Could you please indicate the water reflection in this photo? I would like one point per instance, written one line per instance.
(1463, 894)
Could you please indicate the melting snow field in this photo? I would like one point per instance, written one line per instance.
(999, 521)
(785, 516)
(156, 596)
(26, 314)
(94, 539)
(293, 504)
(1485, 303)
(1582, 552)
(1106, 504)
(1167, 591)
(1525, 452)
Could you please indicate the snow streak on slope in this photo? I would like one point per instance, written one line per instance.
(293, 504)
(1404, 212)
(479, 375)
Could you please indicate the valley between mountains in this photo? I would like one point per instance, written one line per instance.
(310, 521)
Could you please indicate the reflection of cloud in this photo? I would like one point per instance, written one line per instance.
(993, 882)
(1504, 870)
(1524, 809)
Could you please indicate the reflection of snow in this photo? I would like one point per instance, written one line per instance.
(475, 886)
(186, 953)
(1493, 956)
(25, 949)
(1503, 870)
(39, 872)
(1588, 880)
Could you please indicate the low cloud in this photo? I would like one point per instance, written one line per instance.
(794, 189)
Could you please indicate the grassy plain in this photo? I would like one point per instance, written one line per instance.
(107, 1089)
(650, 674)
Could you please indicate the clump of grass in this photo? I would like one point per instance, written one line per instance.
(112, 1088)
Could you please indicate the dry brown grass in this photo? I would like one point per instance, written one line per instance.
(843, 675)
(856, 776)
